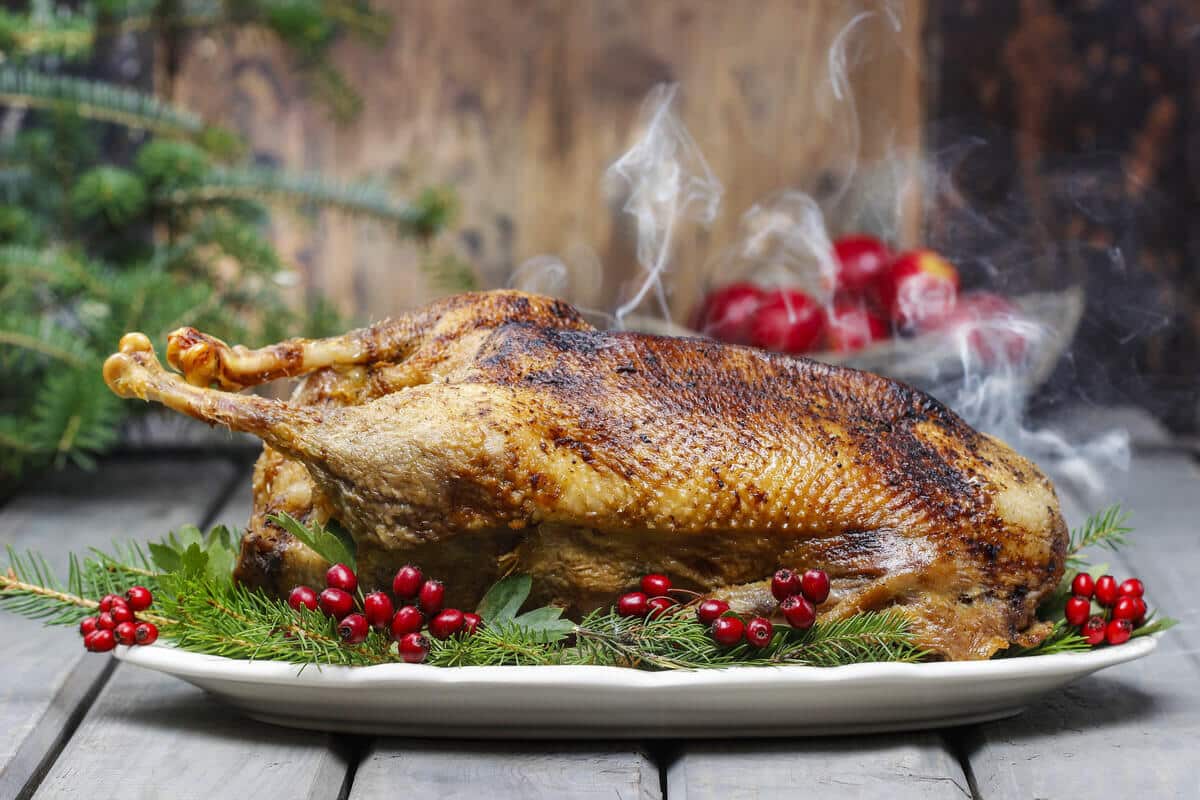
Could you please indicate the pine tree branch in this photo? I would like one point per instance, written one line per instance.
(1108, 528)
(27, 342)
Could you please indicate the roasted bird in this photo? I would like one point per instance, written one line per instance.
(499, 432)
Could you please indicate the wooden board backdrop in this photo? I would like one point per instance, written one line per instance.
(520, 105)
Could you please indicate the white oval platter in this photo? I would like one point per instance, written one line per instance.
(613, 702)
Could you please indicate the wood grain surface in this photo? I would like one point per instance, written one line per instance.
(521, 105)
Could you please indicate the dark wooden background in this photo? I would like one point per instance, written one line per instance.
(1067, 129)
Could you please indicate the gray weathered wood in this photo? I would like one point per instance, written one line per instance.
(916, 766)
(1135, 728)
(200, 749)
(499, 771)
(47, 675)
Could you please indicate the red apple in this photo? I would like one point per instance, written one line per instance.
(995, 329)
(919, 289)
(726, 313)
(852, 327)
(861, 261)
(788, 321)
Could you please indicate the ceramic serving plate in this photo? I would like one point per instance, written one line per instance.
(613, 702)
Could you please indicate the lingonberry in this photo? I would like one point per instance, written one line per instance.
(145, 633)
(657, 606)
(105, 621)
(406, 620)
(432, 596)
(785, 583)
(336, 603)
(759, 631)
(815, 586)
(339, 576)
(407, 582)
(728, 631)
(1126, 608)
(633, 604)
(121, 613)
(709, 610)
(377, 608)
(1093, 630)
(100, 641)
(448, 622)
(109, 600)
(471, 623)
(1106, 590)
(655, 585)
(303, 596)
(1132, 588)
(139, 598)
(1078, 609)
(353, 629)
(1083, 585)
(1118, 631)
(126, 632)
(799, 612)
(87, 625)
(414, 647)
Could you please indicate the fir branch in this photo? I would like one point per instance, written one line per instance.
(1108, 528)
(95, 100)
(862, 638)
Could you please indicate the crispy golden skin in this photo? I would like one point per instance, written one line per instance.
(499, 431)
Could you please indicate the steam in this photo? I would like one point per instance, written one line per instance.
(666, 182)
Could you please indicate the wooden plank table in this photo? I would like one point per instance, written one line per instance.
(78, 726)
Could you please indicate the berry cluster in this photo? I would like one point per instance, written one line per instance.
(420, 602)
(798, 596)
(1122, 608)
(117, 624)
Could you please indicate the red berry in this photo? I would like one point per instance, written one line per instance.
(339, 576)
(1118, 631)
(994, 330)
(408, 619)
(728, 631)
(1093, 630)
(353, 629)
(447, 623)
(1078, 609)
(1141, 611)
(100, 641)
(852, 327)
(799, 612)
(126, 632)
(709, 610)
(87, 625)
(336, 603)
(759, 631)
(785, 583)
(1083, 585)
(121, 613)
(655, 585)
(1132, 588)
(1126, 608)
(788, 321)
(471, 623)
(726, 313)
(432, 596)
(145, 633)
(414, 647)
(139, 598)
(1106, 591)
(633, 604)
(919, 289)
(377, 608)
(109, 600)
(407, 582)
(862, 260)
(815, 585)
(303, 596)
(657, 606)
(105, 621)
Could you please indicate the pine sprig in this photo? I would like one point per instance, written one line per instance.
(1108, 528)
(1063, 638)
